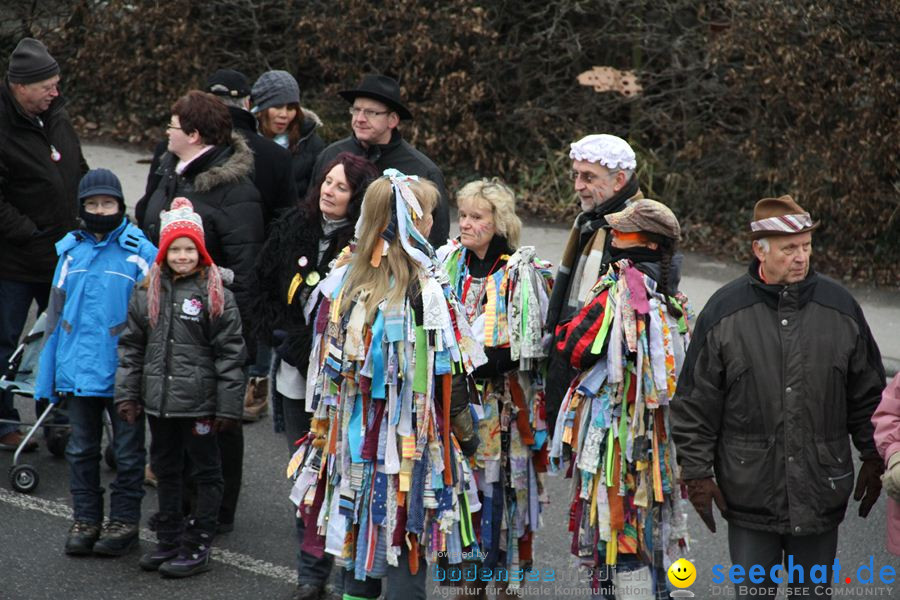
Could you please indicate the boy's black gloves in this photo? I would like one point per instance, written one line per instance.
(129, 411)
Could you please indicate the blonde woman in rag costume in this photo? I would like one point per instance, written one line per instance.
(381, 474)
(505, 292)
(628, 344)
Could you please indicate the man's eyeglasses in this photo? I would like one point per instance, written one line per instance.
(367, 112)
(170, 126)
(585, 176)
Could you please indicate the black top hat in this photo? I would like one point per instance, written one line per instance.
(382, 88)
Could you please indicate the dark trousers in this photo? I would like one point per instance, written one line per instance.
(401, 584)
(231, 456)
(604, 584)
(173, 440)
(751, 547)
(15, 300)
(84, 456)
(310, 569)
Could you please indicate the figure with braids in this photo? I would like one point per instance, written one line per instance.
(505, 290)
(628, 344)
(381, 477)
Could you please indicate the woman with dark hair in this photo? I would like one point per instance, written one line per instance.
(628, 344)
(297, 255)
(276, 104)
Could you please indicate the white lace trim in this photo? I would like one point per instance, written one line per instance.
(610, 151)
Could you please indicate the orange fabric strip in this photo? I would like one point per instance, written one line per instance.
(616, 507)
(522, 421)
(375, 259)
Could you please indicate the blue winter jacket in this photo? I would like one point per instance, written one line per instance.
(88, 309)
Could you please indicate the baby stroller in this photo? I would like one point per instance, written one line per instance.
(20, 378)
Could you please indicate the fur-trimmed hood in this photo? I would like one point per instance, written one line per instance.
(237, 165)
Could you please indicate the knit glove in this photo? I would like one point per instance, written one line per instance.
(891, 478)
(128, 411)
(701, 493)
(224, 424)
(868, 484)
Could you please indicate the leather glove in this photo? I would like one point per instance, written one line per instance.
(225, 424)
(461, 417)
(891, 478)
(129, 411)
(702, 492)
(868, 485)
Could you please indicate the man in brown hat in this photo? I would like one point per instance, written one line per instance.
(782, 369)
(40, 167)
(376, 110)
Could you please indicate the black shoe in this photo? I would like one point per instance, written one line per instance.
(224, 527)
(117, 539)
(307, 591)
(82, 537)
(193, 558)
(164, 551)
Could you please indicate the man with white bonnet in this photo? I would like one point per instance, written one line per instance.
(603, 172)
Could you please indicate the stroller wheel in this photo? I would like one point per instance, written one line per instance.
(110, 458)
(23, 478)
(57, 443)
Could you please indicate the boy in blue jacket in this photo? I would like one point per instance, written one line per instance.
(97, 270)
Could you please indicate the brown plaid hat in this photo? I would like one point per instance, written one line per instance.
(648, 216)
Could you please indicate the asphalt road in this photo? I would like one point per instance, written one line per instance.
(256, 560)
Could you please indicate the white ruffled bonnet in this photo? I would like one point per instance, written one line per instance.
(610, 151)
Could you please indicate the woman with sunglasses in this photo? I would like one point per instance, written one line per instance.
(627, 344)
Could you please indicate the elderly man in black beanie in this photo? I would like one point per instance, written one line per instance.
(40, 167)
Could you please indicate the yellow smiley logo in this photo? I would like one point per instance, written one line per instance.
(682, 573)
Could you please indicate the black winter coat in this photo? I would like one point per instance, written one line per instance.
(271, 174)
(188, 365)
(397, 154)
(219, 187)
(303, 157)
(38, 197)
(774, 380)
(291, 238)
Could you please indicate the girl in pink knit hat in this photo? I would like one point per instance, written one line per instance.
(181, 360)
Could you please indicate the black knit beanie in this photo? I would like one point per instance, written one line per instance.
(30, 62)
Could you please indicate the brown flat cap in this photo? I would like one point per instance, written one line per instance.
(648, 216)
(779, 216)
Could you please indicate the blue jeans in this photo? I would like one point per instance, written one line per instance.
(83, 454)
(15, 300)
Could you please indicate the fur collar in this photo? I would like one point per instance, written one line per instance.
(237, 166)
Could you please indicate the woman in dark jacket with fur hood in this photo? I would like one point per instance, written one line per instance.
(299, 252)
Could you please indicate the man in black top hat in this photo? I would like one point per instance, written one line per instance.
(40, 167)
(376, 110)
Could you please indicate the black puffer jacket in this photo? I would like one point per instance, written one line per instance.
(774, 380)
(292, 237)
(218, 185)
(188, 365)
(401, 155)
(38, 197)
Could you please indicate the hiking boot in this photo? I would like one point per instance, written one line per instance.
(82, 537)
(150, 477)
(117, 538)
(164, 551)
(256, 399)
(13, 439)
(192, 559)
(307, 591)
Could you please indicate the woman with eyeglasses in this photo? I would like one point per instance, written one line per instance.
(627, 345)
(276, 104)
(504, 290)
(297, 255)
(381, 472)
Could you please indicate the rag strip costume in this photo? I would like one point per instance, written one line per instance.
(381, 470)
(506, 301)
(614, 421)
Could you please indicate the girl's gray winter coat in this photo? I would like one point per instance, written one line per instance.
(189, 365)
